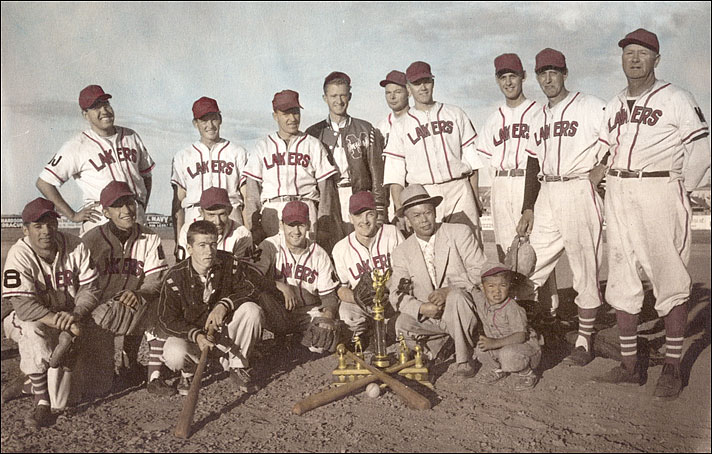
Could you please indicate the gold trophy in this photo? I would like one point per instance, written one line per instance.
(380, 358)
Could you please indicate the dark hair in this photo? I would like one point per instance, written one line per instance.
(201, 228)
(555, 68)
(337, 81)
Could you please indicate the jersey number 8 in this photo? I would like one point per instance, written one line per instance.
(11, 279)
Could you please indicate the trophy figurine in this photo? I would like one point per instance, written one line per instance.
(380, 359)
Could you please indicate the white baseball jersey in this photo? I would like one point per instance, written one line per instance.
(352, 259)
(198, 168)
(292, 170)
(95, 161)
(652, 136)
(311, 272)
(52, 285)
(386, 125)
(124, 267)
(236, 239)
(427, 147)
(565, 138)
(504, 138)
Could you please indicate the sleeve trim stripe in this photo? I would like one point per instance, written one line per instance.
(686, 139)
(394, 155)
(327, 175)
(484, 152)
(55, 175)
(153, 270)
(89, 279)
(470, 140)
(326, 292)
(6, 294)
(254, 177)
(177, 184)
(147, 170)
(601, 140)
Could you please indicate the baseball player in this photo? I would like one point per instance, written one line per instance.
(215, 206)
(353, 145)
(567, 214)
(211, 290)
(426, 147)
(396, 91)
(131, 264)
(659, 152)
(95, 157)
(367, 248)
(49, 279)
(306, 301)
(503, 142)
(209, 162)
(286, 166)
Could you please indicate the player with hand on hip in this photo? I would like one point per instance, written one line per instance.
(561, 208)
(211, 161)
(94, 158)
(659, 152)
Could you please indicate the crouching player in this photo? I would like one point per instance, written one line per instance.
(50, 281)
(508, 345)
(198, 295)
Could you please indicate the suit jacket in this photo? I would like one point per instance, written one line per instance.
(458, 262)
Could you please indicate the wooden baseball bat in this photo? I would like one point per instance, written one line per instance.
(185, 420)
(411, 397)
(332, 394)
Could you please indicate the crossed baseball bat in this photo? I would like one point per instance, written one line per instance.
(409, 396)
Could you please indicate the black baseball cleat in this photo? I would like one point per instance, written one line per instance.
(40, 416)
(619, 375)
(579, 356)
(159, 387)
(669, 384)
(20, 386)
(244, 379)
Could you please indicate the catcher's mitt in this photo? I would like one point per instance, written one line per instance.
(118, 318)
(322, 335)
(364, 292)
(521, 257)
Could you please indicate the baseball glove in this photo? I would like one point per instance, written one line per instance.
(521, 257)
(118, 318)
(364, 292)
(322, 335)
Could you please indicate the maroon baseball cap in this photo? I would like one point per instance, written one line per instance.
(643, 37)
(494, 270)
(113, 192)
(394, 77)
(418, 70)
(214, 197)
(362, 201)
(205, 106)
(295, 212)
(285, 100)
(550, 57)
(508, 63)
(91, 94)
(34, 210)
(337, 75)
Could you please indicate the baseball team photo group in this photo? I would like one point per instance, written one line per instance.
(418, 283)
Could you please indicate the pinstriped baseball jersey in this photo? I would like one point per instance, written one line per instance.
(236, 239)
(386, 125)
(504, 138)
(95, 161)
(289, 170)
(198, 168)
(565, 138)
(652, 135)
(54, 285)
(352, 259)
(124, 266)
(427, 147)
(311, 272)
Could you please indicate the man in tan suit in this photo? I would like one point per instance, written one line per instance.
(436, 274)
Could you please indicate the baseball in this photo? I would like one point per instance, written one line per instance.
(373, 390)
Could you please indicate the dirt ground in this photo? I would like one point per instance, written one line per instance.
(564, 413)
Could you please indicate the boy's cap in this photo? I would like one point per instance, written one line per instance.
(495, 270)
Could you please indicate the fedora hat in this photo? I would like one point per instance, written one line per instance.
(416, 194)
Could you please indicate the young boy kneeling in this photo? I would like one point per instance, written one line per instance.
(509, 346)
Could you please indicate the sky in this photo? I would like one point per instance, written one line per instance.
(156, 59)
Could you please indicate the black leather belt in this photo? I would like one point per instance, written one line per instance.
(550, 178)
(510, 173)
(345, 184)
(638, 174)
(285, 198)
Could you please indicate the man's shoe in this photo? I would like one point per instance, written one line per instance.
(669, 384)
(488, 376)
(244, 380)
(159, 387)
(524, 381)
(579, 356)
(184, 384)
(20, 386)
(465, 370)
(40, 416)
(619, 375)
